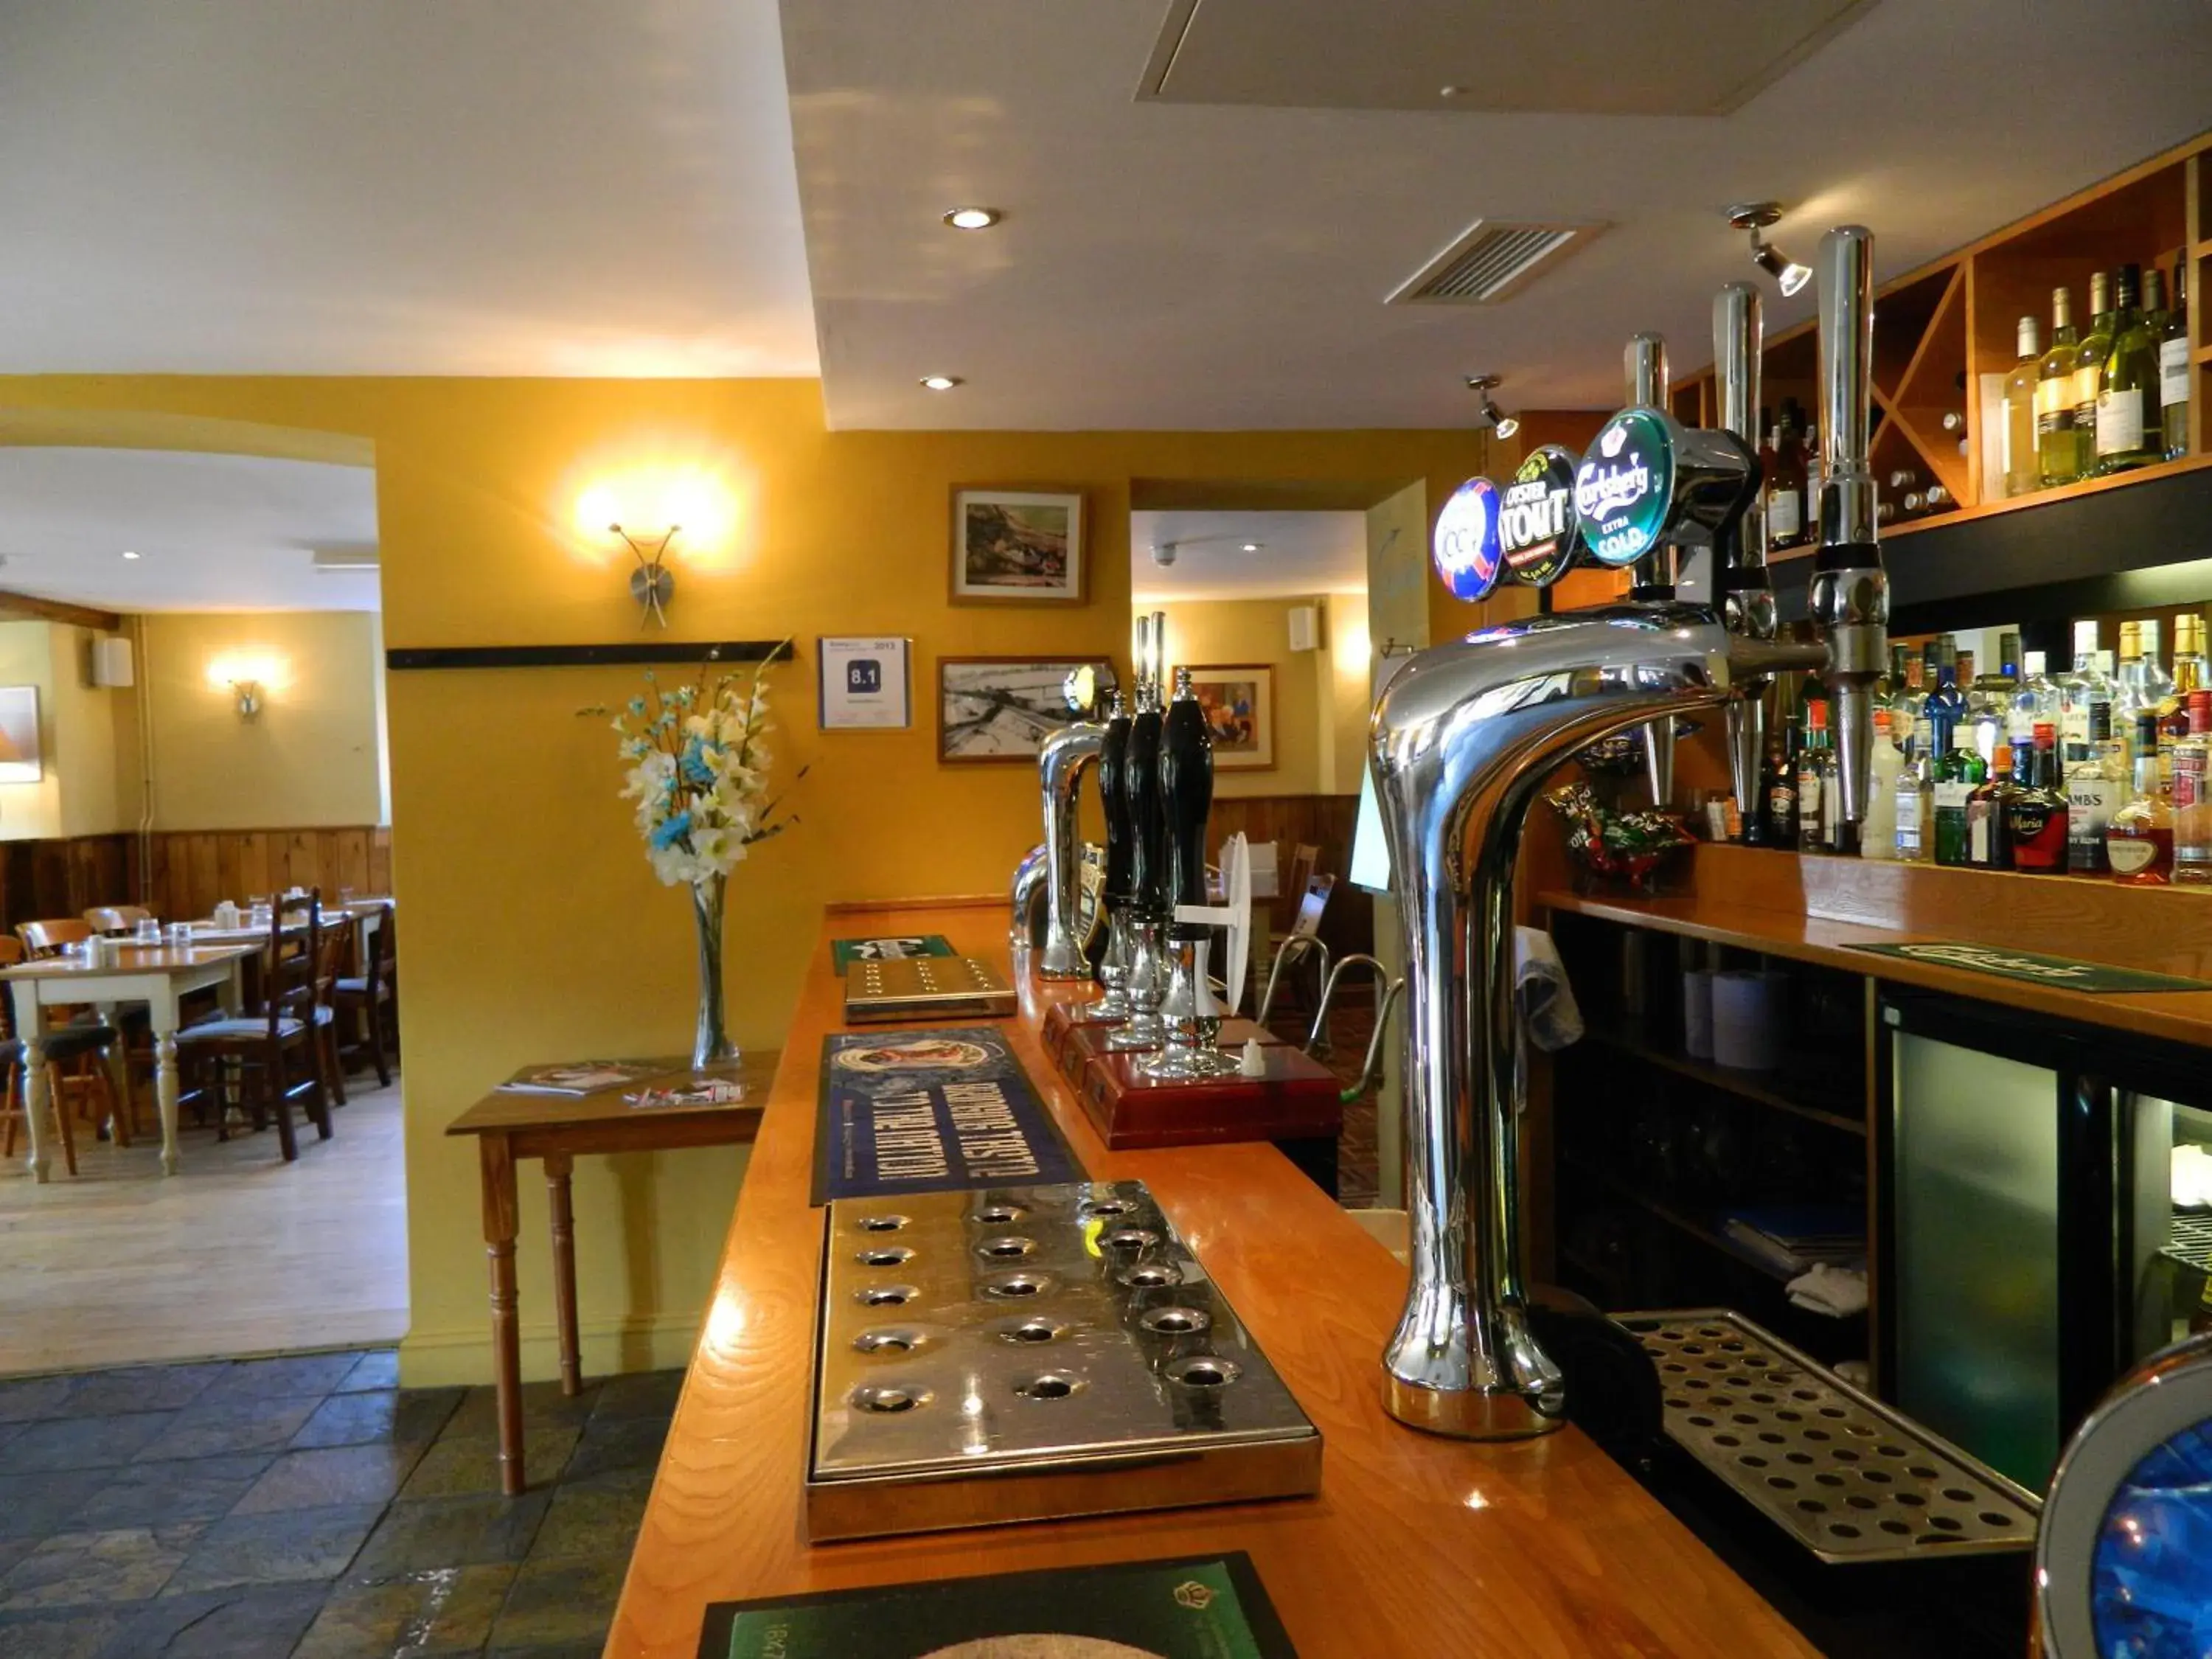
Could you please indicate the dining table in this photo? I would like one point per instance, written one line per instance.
(116, 973)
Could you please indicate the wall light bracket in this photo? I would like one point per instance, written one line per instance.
(248, 693)
(652, 584)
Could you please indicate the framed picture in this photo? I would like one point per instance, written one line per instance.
(1018, 547)
(1002, 708)
(20, 758)
(1239, 700)
(864, 684)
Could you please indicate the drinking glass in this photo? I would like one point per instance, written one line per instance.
(181, 932)
(149, 930)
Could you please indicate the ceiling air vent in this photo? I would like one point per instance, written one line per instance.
(1492, 261)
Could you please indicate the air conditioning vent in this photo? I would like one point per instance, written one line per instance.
(1490, 261)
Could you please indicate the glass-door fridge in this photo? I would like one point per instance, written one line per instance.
(2044, 1217)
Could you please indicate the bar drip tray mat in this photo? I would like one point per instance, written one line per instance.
(1850, 1478)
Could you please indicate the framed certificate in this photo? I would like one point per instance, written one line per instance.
(866, 684)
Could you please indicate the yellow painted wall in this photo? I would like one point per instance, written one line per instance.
(534, 927)
(308, 759)
(1340, 673)
(80, 792)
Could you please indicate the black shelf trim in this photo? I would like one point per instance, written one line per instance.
(1744, 1085)
(630, 653)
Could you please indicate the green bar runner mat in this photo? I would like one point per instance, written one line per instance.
(844, 952)
(1207, 1607)
(2063, 973)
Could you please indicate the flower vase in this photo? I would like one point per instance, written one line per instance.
(711, 1044)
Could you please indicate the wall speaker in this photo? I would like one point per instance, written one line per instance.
(1305, 626)
(113, 664)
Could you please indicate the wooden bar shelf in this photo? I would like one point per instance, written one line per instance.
(1744, 1086)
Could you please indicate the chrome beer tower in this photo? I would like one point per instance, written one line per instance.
(1066, 755)
(1652, 577)
(1462, 741)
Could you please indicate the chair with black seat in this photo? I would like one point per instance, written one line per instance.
(51, 937)
(373, 999)
(257, 1052)
(333, 956)
(116, 918)
(75, 1055)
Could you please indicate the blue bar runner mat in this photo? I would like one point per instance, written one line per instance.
(1207, 1607)
(937, 1110)
(2061, 973)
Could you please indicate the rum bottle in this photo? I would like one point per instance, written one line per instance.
(2096, 783)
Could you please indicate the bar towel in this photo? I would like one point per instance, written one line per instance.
(1838, 1292)
(1542, 996)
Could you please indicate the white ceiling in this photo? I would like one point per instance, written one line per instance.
(1168, 264)
(213, 532)
(1298, 553)
(398, 187)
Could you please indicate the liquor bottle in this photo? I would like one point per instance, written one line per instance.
(1781, 796)
(2035, 700)
(2035, 816)
(1785, 482)
(1988, 846)
(2089, 368)
(1816, 783)
(1878, 828)
(2139, 841)
(2058, 446)
(2096, 782)
(2130, 433)
(2192, 805)
(2173, 368)
(2017, 447)
(1946, 706)
(2085, 686)
(2189, 675)
(1902, 479)
(1935, 497)
(1954, 420)
(1904, 704)
(2127, 681)
(1914, 796)
(1957, 776)
(1989, 709)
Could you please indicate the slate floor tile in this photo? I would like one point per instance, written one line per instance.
(470, 1463)
(450, 1532)
(379, 1368)
(190, 1489)
(599, 1516)
(140, 1389)
(542, 1403)
(627, 1443)
(29, 1397)
(81, 1443)
(257, 1621)
(34, 1505)
(13, 1550)
(97, 1568)
(221, 1427)
(558, 1650)
(330, 1474)
(351, 1420)
(294, 1374)
(290, 1545)
(557, 1602)
(78, 1633)
(642, 1394)
(441, 1610)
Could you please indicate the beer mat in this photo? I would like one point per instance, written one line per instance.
(937, 1110)
(576, 1078)
(2061, 973)
(1202, 1607)
(844, 952)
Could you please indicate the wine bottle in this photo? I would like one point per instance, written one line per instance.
(2089, 368)
(1786, 519)
(2173, 368)
(2129, 431)
(2017, 461)
(2058, 446)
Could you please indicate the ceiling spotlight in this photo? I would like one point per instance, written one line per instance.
(1503, 424)
(1755, 216)
(128, 554)
(1251, 547)
(942, 382)
(973, 218)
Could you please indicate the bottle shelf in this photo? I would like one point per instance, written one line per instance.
(1683, 1221)
(1744, 1086)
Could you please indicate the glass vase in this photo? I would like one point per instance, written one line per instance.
(710, 1044)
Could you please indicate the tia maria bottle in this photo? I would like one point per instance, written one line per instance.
(2036, 815)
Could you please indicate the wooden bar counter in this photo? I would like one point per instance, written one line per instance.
(1416, 1546)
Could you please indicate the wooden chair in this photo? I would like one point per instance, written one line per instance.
(79, 1046)
(371, 1001)
(258, 1050)
(333, 956)
(1291, 894)
(48, 939)
(116, 918)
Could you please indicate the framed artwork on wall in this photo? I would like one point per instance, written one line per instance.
(864, 684)
(1239, 700)
(1018, 547)
(1003, 708)
(20, 758)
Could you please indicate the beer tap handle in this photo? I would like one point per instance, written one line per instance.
(1186, 797)
(1114, 798)
(1148, 875)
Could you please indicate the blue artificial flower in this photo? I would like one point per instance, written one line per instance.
(694, 765)
(637, 705)
(669, 831)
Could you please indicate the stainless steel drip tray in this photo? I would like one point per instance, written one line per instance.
(1028, 1353)
(1850, 1478)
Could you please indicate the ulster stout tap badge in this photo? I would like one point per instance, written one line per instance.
(1625, 488)
(1536, 523)
(1466, 547)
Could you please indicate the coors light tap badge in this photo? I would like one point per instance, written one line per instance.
(1465, 547)
(1537, 528)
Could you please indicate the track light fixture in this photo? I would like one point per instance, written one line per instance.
(1503, 424)
(1755, 216)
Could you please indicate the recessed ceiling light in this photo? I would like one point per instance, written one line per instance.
(1451, 92)
(973, 218)
(1251, 547)
(942, 382)
(128, 554)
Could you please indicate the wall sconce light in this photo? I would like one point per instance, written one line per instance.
(651, 584)
(248, 693)
(248, 676)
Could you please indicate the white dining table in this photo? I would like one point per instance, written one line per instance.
(159, 975)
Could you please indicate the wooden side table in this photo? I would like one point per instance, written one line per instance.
(555, 1129)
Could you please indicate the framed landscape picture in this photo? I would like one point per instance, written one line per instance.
(1239, 700)
(1018, 547)
(1002, 708)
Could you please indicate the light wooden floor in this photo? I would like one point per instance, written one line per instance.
(239, 1253)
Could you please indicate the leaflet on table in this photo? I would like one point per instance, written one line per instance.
(578, 1078)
